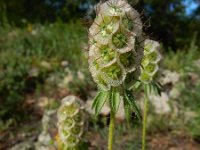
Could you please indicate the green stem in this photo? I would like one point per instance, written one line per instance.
(144, 121)
(111, 130)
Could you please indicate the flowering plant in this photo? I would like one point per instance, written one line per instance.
(120, 58)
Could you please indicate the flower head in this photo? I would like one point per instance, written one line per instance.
(71, 122)
(116, 44)
(150, 61)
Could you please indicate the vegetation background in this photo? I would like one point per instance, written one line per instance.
(43, 57)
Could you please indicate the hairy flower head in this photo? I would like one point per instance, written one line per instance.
(115, 44)
(150, 61)
(71, 122)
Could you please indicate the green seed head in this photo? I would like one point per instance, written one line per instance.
(71, 122)
(115, 47)
(150, 61)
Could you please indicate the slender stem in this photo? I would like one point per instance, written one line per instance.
(144, 121)
(111, 130)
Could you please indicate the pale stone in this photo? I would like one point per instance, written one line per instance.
(190, 115)
(197, 63)
(43, 101)
(169, 77)
(175, 92)
(28, 144)
(34, 72)
(67, 79)
(64, 63)
(46, 64)
(160, 103)
(121, 112)
(80, 75)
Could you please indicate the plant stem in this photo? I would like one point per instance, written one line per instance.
(144, 121)
(111, 130)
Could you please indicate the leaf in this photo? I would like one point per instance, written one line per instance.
(127, 110)
(131, 101)
(136, 85)
(114, 100)
(156, 88)
(99, 101)
(159, 87)
(95, 100)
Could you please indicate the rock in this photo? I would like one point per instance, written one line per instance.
(67, 70)
(26, 145)
(81, 76)
(88, 107)
(105, 110)
(197, 63)
(44, 138)
(92, 94)
(169, 77)
(88, 104)
(46, 65)
(194, 78)
(45, 141)
(43, 101)
(47, 119)
(190, 115)
(34, 32)
(175, 92)
(160, 103)
(34, 72)
(52, 79)
(65, 82)
(121, 112)
(64, 63)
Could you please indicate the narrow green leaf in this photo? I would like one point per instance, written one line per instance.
(99, 101)
(127, 110)
(114, 100)
(138, 83)
(131, 100)
(96, 100)
(135, 86)
(156, 88)
(159, 87)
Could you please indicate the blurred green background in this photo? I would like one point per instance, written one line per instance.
(43, 57)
